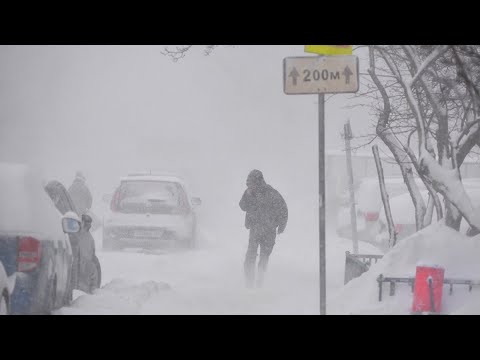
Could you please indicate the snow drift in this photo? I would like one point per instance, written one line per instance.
(437, 244)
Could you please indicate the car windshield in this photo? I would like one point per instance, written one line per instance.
(155, 197)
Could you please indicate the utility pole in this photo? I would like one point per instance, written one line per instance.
(353, 213)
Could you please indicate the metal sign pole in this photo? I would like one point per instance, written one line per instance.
(321, 163)
(321, 75)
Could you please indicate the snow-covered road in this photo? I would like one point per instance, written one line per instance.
(210, 280)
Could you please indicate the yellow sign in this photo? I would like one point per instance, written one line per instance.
(329, 49)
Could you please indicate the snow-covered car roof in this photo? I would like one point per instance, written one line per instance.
(364, 154)
(390, 180)
(25, 206)
(167, 177)
(368, 192)
(403, 210)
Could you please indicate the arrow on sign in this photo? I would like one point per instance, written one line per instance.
(294, 75)
(347, 73)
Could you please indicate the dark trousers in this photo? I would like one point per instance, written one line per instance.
(265, 239)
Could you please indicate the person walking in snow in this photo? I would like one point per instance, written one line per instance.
(80, 194)
(266, 216)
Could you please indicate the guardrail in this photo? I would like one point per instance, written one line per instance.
(411, 281)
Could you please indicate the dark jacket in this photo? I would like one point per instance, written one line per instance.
(81, 196)
(265, 208)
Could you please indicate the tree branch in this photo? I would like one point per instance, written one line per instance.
(176, 54)
(427, 62)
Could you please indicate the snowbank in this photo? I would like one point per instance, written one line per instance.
(436, 244)
(117, 297)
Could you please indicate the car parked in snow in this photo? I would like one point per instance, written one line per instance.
(150, 211)
(368, 203)
(33, 246)
(403, 214)
(403, 211)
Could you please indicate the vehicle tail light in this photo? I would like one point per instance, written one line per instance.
(398, 228)
(29, 254)
(371, 216)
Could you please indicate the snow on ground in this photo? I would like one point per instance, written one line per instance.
(470, 306)
(204, 281)
(210, 280)
(117, 297)
(436, 245)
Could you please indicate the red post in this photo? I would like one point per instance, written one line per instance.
(427, 295)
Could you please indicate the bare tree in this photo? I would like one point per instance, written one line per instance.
(387, 134)
(430, 97)
(179, 51)
(385, 199)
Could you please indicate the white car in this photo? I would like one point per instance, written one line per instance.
(403, 211)
(369, 205)
(403, 214)
(150, 211)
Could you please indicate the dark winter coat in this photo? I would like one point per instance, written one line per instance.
(81, 196)
(265, 208)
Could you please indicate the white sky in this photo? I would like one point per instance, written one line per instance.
(110, 110)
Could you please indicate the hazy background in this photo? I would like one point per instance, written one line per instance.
(111, 110)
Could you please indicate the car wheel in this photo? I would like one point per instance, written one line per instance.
(4, 310)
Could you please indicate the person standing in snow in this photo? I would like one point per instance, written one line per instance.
(80, 194)
(266, 216)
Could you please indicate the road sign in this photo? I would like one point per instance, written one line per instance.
(329, 49)
(320, 75)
